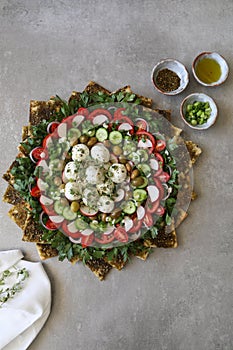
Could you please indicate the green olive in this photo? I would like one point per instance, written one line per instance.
(107, 143)
(92, 141)
(84, 138)
(135, 173)
(138, 181)
(75, 206)
(122, 159)
(103, 217)
(117, 150)
(57, 181)
(116, 213)
(128, 167)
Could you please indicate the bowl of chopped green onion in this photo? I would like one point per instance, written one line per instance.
(199, 111)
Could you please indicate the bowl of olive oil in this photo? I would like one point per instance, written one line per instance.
(210, 69)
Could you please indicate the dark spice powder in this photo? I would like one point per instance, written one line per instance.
(167, 80)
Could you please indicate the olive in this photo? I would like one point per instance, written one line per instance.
(138, 181)
(62, 186)
(107, 143)
(93, 218)
(103, 217)
(75, 206)
(64, 201)
(128, 167)
(116, 213)
(117, 150)
(128, 195)
(84, 139)
(135, 173)
(92, 141)
(122, 159)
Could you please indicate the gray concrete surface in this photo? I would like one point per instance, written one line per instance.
(179, 299)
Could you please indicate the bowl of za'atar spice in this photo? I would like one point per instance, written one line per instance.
(170, 77)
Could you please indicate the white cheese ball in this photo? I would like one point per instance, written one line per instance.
(118, 173)
(94, 175)
(106, 187)
(100, 153)
(80, 152)
(90, 197)
(105, 204)
(72, 191)
(70, 171)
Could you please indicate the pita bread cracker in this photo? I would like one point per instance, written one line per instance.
(32, 232)
(99, 267)
(145, 101)
(94, 87)
(194, 196)
(45, 251)
(163, 240)
(143, 255)
(165, 113)
(40, 110)
(117, 263)
(194, 150)
(11, 196)
(18, 214)
(74, 96)
(125, 90)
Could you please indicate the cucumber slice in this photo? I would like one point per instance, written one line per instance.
(139, 195)
(94, 225)
(59, 207)
(144, 168)
(129, 147)
(101, 134)
(69, 214)
(81, 224)
(115, 137)
(73, 134)
(129, 207)
(143, 155)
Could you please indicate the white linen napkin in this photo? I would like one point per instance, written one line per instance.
(23, 316)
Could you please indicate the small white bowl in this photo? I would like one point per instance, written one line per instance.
(174, 66)
(190, 99)
(219, 59)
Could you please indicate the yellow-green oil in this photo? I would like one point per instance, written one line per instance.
(208, 70)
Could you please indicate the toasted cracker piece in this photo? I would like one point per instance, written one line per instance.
(125, 90)
(166, 113)
(74, 96)
(145, 101)
(45, 251)
(74, 259)
(194, 150)
(8, 176)
(18, 214)
(117, 263)
(99, 267)
(11, 196)
(94, 87)
(163, 240)
(25, 132)
(194, 196)
(32, 231)
(40, 110)
(143, 255)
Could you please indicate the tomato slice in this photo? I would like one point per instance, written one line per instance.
(68, 233)
(160, 145)
(148, 135)
(49, 210)
(35, 192)
(87, 240)
(118, 116)
(50, 225)
(160, 211)
(163, 177)
(39, 153)
(148, 220)
(104, 239)
(121, 235)
(152, 207)
(136, 226)
(83, 111)
(52, 127)
(160, 159)
(99, 111)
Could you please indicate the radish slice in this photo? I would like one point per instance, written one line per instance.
(77, 120)
(154, 164)
(72, 228)
(120, 195)
(87, 232)
(100, 119)
(144, 121)
(42, 163)
(45, 200)
(109, 230)
(153, 193)
(125, 126)
(145, 144)
(61, 130)
(128, 224)
(141, 212)
(75, 240)
(42, 185)
(57, 219)
(87, 211)
(168, 191)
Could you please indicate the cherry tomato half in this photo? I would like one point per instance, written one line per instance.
(52, 127)
(148, 220)
(136, 226)
(160, 211)
(50, 225)
(83, 111)
(141, 124)
(160, 145)
(39, 153)
(49, 210)
(164, 177)
(121, 235)
(144, 133)
(118, 116)
(104, 239)
(67, 231)
(99, 111)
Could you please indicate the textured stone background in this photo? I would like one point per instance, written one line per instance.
(179, 299)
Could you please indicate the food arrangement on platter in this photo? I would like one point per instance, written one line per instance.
(100, 178)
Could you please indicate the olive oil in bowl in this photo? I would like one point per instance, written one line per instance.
(208, 70)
